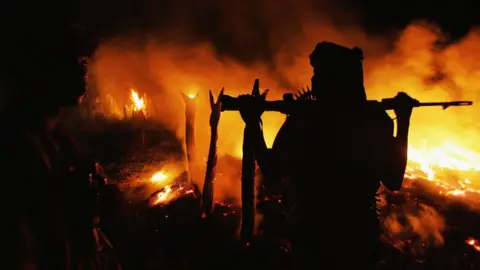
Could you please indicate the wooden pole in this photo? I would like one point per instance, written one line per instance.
(190, 111)
(248, 186)
(207, 192)
(248, 175)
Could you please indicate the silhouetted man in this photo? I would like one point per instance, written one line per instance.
(52, 211)
(336, 151)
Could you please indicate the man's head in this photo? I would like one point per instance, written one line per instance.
(45, 63)
(337, 72)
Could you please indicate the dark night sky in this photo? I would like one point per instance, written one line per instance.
(205, 17)
(455, 17)
(192, 20)
(378, 15)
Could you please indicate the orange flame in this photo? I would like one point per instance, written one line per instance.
(435, 160)
(170, 193)
(159, 177)
(138, 102)
(474, 243)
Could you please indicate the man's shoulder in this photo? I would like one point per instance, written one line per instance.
(377, 115)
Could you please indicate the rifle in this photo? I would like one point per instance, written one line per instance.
(289, 104)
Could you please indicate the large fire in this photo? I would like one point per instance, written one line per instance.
(432, 161)
(424, 163)
(443, 153)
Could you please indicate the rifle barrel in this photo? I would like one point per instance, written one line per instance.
(286, 105)
(446, 104)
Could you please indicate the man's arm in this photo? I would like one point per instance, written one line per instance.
(396, 157)
(398, 147)
(262, 152)
(269, 160)
(251, 110)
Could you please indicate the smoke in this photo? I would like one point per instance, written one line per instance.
(428, 71)
(275, 49)
(416, 65)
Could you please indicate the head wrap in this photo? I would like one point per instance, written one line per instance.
(340, 64)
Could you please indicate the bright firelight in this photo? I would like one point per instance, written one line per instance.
(159, 177)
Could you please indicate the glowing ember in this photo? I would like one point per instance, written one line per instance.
(191, 96)
(456, 192)
(171, 193)
(474, 243)
(138, 102)
(159, 177)
(162, 196)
